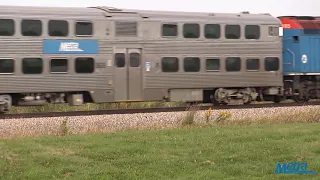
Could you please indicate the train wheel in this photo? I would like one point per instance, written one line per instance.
(214, 101)
(277, 99)
(300, 100)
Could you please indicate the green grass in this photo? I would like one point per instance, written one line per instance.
(211, 152)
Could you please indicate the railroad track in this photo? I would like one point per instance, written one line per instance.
(148, 110)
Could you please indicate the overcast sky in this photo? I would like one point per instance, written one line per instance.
(274, 7)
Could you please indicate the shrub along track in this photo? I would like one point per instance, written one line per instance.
(150, 110)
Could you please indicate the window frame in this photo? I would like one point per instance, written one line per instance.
(250, 70)
(115, 60)
(225, 65)
(130, 64)
(245, 31)
(14, 28)
(204, 31)
(75, 65)
(178, 64)
(216, 58)
(57, 58)
(279, 63)
(192, 57)
(273, 28)
(42, 64)
(68, 26)
(183, 27)
(176, 24)
(14, 68)
(225, 31)
(83, 21)
(31, 19)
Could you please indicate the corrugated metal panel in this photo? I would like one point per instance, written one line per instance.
(310, 47)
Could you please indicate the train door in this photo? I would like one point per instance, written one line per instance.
(128, 74)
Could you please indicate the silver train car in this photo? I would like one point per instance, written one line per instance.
(104, 54)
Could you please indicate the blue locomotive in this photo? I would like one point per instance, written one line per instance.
(301, 57)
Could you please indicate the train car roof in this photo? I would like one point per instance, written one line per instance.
(105, 11)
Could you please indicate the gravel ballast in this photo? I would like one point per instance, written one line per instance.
(107, 123)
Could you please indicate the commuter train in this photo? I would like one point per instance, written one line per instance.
(104, 54)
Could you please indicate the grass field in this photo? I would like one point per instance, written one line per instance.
(210, 152)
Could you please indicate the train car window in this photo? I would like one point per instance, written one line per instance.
(233, 64)
(6, 66)
(120, 60)
(59, 65)
(32, 65)
(273, 31)
(191, 64)
(191, 31)
(31, 27)
(213, 64)
(212, 31)
(170, 64)
(7, 27)
(84, 29)
(169, 30)
(271, 64)
(252, 32)
(58, 28)
(134, 59)
(232, 31)
(84, 65)
(253, 64)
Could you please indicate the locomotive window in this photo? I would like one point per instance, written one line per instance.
(233, 64)
(84, 65)
(120, 60)
(59, 65)
(212, 31)
(134, 59)
(169, 30)
(191, 30)
(271, 63)
(252, 32)
(32, 65)
(253, 64)
(232, 31)
(84, 28)
(58, 28)
(170, 64)
(6, 27)
(213, 64)
(31, 27)
(6, 66)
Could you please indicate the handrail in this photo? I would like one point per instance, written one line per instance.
(293, 57)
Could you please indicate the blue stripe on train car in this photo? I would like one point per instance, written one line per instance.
(71, 47)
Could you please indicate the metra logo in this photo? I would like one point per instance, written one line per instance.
(69, 46)
(293, 168)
